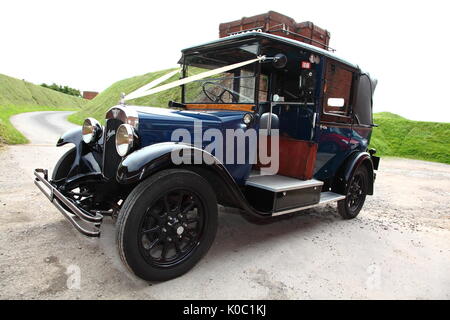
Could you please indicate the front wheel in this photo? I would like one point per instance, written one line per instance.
(356, 194)
(167, 224)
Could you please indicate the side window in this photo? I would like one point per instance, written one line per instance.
(337, 90)
(263, 88)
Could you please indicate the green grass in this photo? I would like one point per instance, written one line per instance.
(400, 137)
(15, 92)
(97, 107)
(9, 134)
(17, 96)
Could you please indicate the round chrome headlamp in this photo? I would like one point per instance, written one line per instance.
(124, 139)
(91, 130)
(248, 118)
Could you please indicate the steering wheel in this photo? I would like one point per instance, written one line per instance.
(218, 97)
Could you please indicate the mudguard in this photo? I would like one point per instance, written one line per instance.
(71, 136)
(87, 158)
(348, 168)
(142, 163)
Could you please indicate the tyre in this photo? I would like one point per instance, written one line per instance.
(356, 194)
(167, 224)
(62, 169)
(63, 165)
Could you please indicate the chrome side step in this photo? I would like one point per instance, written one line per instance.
(277, 183)
(325, 197)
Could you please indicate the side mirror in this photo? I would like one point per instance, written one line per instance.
(279, 61)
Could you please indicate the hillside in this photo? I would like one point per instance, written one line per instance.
(99, 105)
(395, 136)
(17, 96)
(400, 137)
(22, 93)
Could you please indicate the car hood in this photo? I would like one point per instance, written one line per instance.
(157, 124)
(151, 118)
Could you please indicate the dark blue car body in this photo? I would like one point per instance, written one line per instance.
(341, 134)
(255, 90)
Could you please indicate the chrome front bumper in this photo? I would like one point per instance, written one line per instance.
(85, 222)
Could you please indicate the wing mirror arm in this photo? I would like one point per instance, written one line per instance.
(279, 61)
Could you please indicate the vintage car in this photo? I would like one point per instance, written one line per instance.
(316, 107)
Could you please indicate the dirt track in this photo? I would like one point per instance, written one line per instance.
(399, 246)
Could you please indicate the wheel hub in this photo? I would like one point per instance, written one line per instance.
(172, 228)
(180, 230)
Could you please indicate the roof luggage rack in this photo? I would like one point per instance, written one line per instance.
(275, 23)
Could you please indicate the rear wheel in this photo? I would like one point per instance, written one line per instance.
(167, 224)
(356, 194)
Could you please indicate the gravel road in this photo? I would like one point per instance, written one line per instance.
(397, 248)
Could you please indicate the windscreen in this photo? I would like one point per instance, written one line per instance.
(234, 86)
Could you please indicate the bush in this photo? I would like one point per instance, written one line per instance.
(64, 89)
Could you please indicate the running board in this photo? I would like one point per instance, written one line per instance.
(325, 197)
(277, 183)
(275, 193)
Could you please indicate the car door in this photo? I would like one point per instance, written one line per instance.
(335, 119)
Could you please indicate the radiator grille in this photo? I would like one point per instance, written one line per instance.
(111, 158)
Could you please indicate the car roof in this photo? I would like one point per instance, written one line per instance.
(254, 34)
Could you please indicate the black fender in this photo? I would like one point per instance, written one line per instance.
(142, 163)
(88, 159)
(351, 163)
(72, 136)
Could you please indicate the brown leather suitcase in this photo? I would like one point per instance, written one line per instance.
(278, 24)
(318, 37)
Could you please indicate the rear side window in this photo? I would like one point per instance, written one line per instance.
(337, 89)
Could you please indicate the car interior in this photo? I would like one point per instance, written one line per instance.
(292, 90)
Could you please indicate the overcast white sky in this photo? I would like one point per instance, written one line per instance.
(91, 44)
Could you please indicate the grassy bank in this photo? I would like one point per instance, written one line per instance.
(9, 134)
(97, 107)
(18, 96)
(16, 92)
(400, 137)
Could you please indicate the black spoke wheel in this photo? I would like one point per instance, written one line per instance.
(167, 224)
(172, 228)
(356, 194)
